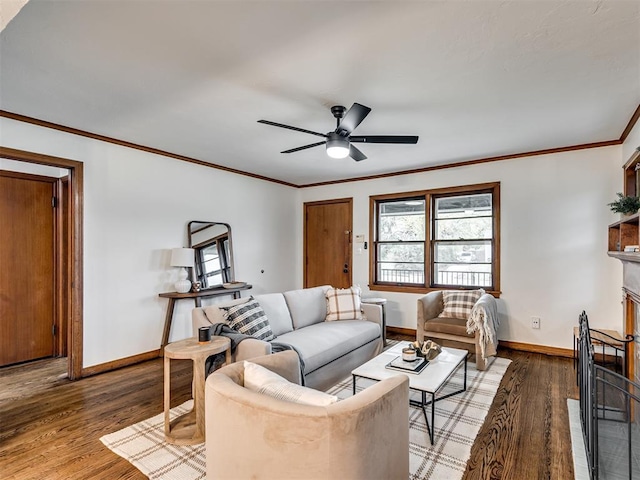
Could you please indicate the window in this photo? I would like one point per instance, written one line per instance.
(446, 238)
(400, 246)
(462, 240)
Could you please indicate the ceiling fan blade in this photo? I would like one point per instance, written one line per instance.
(267, 122)
(354, 117)
(356, 154)
(408, 139)
(304, 147)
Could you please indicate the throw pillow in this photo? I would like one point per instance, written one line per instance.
(262, 380)
(459, 303)
(343, 304)
(249, 318)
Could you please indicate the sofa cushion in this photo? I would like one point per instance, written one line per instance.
(275, 306)
(307, 305)
(452, 326)
(343, 304)
(459, 303)
(321, 343)
(262, 380)
(249, 318)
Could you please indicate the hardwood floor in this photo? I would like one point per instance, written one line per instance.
(50, 427)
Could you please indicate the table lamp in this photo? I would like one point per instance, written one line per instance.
(183, 258)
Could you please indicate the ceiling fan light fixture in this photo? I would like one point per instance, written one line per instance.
(337, 146)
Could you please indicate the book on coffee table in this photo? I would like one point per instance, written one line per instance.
(415, 366)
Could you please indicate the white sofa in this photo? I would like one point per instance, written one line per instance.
(329, 350)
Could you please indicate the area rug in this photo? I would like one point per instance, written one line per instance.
(457, 422)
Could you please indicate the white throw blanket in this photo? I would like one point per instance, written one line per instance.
(484, 319)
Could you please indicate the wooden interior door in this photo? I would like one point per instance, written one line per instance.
(27, 274)
(328, 227)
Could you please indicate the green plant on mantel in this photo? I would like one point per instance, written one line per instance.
(626, 205)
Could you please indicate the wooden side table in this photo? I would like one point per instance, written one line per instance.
(382, 302)
(188, 429)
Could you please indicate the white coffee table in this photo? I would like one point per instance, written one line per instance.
(429, 381)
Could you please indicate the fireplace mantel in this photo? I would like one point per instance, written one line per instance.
(625, 256)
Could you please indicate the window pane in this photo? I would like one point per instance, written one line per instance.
(401, 220)
(395, 273)
(478, 275)
(401, 252)
(460, 206)
(211, 266)
(463, 228)
(401, 263)
(463, 252)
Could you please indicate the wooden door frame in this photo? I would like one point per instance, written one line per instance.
(63, 261)
(348, 200)
(76, 189)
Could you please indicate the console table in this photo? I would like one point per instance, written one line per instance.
(197, 297)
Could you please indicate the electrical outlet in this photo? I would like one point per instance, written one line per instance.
(535, 322)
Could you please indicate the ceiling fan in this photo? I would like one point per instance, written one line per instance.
(339, 142)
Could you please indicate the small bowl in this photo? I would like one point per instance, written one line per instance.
(408, 354)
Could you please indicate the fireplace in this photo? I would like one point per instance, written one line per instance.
(631, 315)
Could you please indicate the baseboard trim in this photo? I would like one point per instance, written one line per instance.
(522, 347)
(533, 348)
(402, 331)
(122, 362)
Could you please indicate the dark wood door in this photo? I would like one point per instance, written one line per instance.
(26, 267)
(327, 243)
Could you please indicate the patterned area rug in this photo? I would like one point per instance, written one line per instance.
(458, 420)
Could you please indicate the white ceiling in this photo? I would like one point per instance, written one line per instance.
(472, 79)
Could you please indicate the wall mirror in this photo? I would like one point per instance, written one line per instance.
(213, 253)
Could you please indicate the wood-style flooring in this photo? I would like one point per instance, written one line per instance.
(50, 427)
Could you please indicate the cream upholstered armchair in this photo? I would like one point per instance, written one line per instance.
(439, 323)
(250, 435)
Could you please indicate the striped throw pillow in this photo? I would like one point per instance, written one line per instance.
(343, 304)
(459, 303)
(249, 318)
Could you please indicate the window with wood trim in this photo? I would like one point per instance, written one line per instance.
(445, 238)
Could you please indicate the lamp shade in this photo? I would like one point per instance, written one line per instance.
(337, 146)
(182, 257)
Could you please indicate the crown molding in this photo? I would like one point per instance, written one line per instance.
(75, 131)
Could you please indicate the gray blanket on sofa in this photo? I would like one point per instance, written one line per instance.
(223, 330)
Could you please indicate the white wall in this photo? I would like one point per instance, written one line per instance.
(554, 219)
(136, 207)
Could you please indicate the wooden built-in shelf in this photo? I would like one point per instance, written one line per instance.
(623, 233)
(626, 232)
